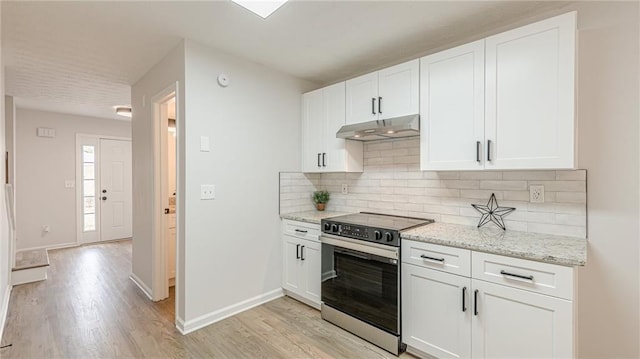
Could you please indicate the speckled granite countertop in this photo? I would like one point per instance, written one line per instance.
(311, 216)
(566, 251)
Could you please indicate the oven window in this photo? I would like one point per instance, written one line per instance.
(361, 285)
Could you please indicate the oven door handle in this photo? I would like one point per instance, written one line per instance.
(357, 245)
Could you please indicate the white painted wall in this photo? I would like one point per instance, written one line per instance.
(609, 140)
(42, 166)
(233, 249)
(169, 70)
(5, 252)
(10, 135)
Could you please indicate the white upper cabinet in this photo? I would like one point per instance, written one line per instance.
(388, 93)
(452, 103)
(323, 113)
(505, 102)
(530, 95)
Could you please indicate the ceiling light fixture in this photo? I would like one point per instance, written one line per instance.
(262, 8)
(124, 111)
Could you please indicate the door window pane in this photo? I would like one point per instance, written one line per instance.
(89, 205)
(88, 171)
(88, 154)
(89, 188)
(89, 222)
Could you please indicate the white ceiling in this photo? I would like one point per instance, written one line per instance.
(83, 57)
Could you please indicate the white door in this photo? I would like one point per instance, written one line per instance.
(115, 189)
(311, 269)
(312, 124)
(514, 323)
(436, 311)
(334, 118)
(398, 90)
(362, 98)
(530, 95)
(452, 109)
(292, 266)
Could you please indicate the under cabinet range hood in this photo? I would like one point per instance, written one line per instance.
(405, 126)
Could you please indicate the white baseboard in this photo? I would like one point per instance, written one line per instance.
(5, 309)
(143, 287)
(57, 246)
(210, 318)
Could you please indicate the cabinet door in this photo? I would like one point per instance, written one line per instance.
(362, 98)
(291, 269)
(312, 125)
(530, 95)
(434, 320)
(310, 260)
(398, 90)
(514, 323)
(334, 118)
(452, 109)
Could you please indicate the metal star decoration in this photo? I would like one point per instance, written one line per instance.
(492, 212)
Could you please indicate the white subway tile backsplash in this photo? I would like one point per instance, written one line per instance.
(504, 185)
(577, 175)
(480, 175)
(392, 183)
(529, 175)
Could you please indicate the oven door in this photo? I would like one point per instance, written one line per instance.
(362, 279)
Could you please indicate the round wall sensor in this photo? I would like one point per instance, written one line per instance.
(223, 80)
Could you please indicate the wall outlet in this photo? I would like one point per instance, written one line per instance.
(207, 191)
(69, 184)
(536, 194)
(345, 188)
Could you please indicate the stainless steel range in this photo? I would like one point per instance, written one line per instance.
(361, 275)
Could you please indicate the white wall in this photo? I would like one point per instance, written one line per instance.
(5, 252)
(608, 100)
(10, 134)
(233, 249)
(42, 166)
(167, 72)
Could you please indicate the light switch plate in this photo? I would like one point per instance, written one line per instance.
(69, 184)
(207, 191)
(204, 144)
(345, 188)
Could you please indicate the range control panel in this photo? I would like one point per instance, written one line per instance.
(365, 233)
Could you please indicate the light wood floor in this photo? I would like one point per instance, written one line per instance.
(89, 308)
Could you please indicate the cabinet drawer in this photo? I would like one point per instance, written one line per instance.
(443, 258)
(534, 276)
(302, 230)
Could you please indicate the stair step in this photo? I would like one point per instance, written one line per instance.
(31, 259)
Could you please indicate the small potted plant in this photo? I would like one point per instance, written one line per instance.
(320, 198)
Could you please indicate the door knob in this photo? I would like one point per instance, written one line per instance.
(104, 198)
(104, 191)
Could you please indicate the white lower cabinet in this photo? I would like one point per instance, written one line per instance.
(435, 320)
(446, 315)
(301, 257)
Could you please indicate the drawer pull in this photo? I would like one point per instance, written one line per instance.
(301, 230)
(297, 251)
(432, 258)
(527, 277)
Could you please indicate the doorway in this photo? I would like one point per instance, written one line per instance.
(104, 188)
(166, 206)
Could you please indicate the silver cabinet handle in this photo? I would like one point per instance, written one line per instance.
(475, 302)
(297, 251)
(302, 253)
(379, 104)
(478, 144)
(373, 105)
(301, 230)
(527, 277)
(324, 157)
(432, 258)
(489, 150)
(319, 159)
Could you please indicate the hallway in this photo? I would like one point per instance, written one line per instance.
(90, 308)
